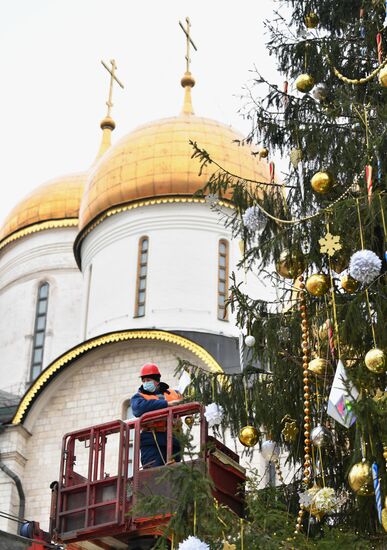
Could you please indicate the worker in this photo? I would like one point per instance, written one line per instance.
(154, 395)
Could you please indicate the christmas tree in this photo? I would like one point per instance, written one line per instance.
(319, 233)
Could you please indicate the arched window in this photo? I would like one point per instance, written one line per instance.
(39, 330)
(222, 279)
(142, 267)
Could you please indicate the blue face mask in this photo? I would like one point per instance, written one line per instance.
(149, 386)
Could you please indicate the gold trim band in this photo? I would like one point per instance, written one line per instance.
(122, 336)
(41, 226)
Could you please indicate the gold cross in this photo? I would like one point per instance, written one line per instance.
(113, 77)
(189, 41)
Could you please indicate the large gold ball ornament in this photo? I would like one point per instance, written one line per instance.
(375, 360)
(321, 182)
(249, 436)
(318, 366)
(317, 284)
(311, 20)
(360, 479)
(290, 265)
(304, 83)
(349, 284)
(383, 77)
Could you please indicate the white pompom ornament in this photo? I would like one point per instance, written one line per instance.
(270, 450)
(213, 414)
(253, 219)
(250, 341)
(365, 266)
(193, 543)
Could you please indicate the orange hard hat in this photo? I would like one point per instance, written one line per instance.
(149, 369)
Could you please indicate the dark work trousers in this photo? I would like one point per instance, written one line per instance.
(150, 454)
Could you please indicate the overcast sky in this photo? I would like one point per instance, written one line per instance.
(54, 87)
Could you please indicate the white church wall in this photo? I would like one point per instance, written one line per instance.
(182, 280)
(46, 256)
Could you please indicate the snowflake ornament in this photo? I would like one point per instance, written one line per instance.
(364, 266)
(330, 244)
(253, 219)
(193, 543)
(213, 414)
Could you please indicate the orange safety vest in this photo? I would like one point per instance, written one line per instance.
(160, 425)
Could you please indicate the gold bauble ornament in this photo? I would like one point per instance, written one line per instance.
(349, 284)
(321, 182)
(311, 20)
(317, 284)
(189, 420)
(304, 83)
(318, 366)
(290, 265)
(383, 77)
(360, 479)
(249, 436)
(375, 360)
(263, 153)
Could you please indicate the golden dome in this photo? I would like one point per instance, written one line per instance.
(155, 161)
(58, 199)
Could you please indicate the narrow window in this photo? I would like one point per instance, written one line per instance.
(222, 279)
(39, 330)
(142, 266)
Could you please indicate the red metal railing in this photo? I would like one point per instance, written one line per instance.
(100, 476)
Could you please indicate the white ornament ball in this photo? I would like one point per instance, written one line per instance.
(250, 341)
(365, 266)
(253, 219)
(320, 91)
(193, 543)
(270, 450)
(213, 414)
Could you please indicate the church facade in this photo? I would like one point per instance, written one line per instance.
(103, 271)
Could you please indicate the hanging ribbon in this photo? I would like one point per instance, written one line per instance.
(285, 98)
(378, 495)
(331, 338)
(380, 48)
(368, 175)
(272, 171)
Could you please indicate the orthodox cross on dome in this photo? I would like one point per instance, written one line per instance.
(189, 42)
(113, 77)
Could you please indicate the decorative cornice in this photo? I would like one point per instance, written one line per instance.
(169, 199)
(122, 336)
(36, 227)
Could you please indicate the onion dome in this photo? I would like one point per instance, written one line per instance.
(155, 160)
(53, 204)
